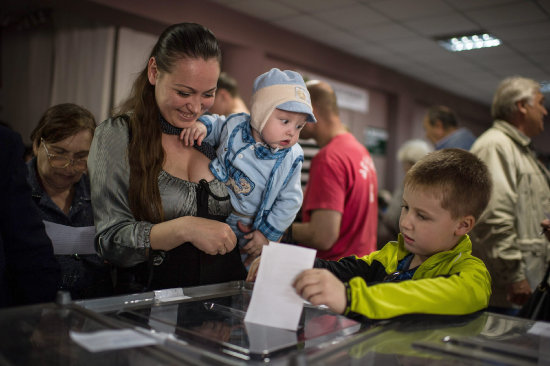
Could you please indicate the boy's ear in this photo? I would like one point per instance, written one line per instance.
(465, 224)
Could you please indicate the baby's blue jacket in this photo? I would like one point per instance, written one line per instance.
(261, 183)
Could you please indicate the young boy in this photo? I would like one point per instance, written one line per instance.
(258, 158)
(429, 269)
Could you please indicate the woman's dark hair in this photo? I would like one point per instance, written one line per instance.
(61, 121)
(145, 152)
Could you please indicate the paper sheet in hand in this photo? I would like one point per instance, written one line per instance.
(274, 301)
(69, 240)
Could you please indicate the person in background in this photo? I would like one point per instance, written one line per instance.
(430, 268)
(545, 225)
(61, 192)
(508, 235)
(408, 154)
(340, 208)
(28, 153)
(228, 99)
(29, 272)
(442, 129)
(158, 209)
(259, 159)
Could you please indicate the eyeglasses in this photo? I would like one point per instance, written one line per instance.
(61, 162)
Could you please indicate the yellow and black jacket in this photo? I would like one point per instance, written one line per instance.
(448, 283)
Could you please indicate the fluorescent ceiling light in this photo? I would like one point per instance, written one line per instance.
(468, 42)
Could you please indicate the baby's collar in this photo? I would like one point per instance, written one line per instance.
(263, 150)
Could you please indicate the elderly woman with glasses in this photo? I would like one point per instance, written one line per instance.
(61, 191)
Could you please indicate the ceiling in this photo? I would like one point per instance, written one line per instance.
(399, 34)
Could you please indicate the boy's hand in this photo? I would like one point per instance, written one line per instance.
(190, 134)
(321, 287)
(254, 246)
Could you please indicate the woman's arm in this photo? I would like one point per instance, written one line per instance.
(212, 237)
(119, 237)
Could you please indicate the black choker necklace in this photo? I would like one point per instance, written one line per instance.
(167, 128)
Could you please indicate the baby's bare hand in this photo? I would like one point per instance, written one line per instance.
(255, 245)
(189, 135)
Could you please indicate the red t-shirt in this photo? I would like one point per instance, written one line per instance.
(343, 178)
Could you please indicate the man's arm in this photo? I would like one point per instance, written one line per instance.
(321, 232)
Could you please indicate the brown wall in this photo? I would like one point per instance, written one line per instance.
(251, 47)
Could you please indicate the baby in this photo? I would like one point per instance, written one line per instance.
(258, 157)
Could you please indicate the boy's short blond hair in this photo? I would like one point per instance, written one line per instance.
(459, 178)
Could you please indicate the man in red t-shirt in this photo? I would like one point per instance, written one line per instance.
(340, 207)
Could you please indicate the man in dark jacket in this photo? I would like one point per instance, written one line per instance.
(29, 272)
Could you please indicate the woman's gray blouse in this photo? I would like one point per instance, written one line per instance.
(121, 239)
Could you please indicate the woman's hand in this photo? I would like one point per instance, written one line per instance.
(213, 237)
(210, 236)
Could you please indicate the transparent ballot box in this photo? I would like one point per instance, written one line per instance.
(215, 319)
(205, 325)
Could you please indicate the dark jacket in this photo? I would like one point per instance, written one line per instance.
(29, 272)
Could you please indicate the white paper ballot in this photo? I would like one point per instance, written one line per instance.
(68, 240)
(274, 301)
(106, 340)
(540, 328)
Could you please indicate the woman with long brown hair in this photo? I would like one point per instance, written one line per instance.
(157, 207)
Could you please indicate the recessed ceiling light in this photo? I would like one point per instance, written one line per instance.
(468, 42)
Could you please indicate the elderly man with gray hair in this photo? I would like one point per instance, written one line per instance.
(508, 235)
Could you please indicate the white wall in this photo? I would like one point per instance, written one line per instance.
(132, 53)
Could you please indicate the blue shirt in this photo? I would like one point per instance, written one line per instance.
(460, 139)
